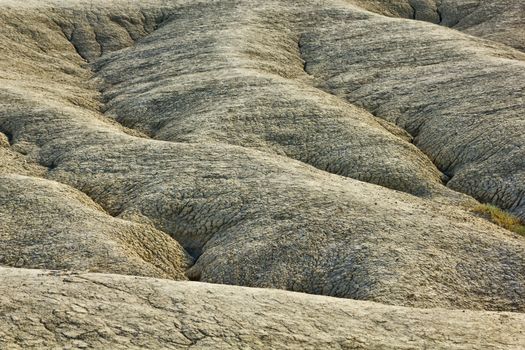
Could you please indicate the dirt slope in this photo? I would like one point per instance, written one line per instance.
(122, 312)
(310, 146)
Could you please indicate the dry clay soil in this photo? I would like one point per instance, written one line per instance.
(261, 174)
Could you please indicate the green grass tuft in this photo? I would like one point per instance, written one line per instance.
(501, 218)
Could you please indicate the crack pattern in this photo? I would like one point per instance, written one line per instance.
(230, 107)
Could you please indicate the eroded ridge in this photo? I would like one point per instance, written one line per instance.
(501, 20)
(247, 87)
(263, 84)
(124, 312)
(461, 98)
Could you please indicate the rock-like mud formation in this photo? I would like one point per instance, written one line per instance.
(310, 146)
(59, 228)
(500, 20)
(123, 312)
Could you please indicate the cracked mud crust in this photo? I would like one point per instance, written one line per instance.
(124, 312)
(330, 147)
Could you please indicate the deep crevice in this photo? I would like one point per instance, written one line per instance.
(193, 276)
(300, 52)
(440, 15)
(9, 136)
(414, 11)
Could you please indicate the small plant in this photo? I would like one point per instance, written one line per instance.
(501, 218)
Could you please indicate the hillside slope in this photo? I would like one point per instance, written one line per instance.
(124, 312)
(310, 146)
